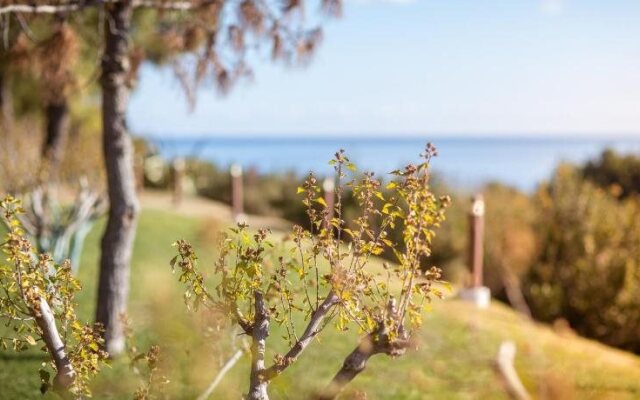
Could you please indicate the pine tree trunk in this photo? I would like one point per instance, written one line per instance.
(57, 127)
(117, 241)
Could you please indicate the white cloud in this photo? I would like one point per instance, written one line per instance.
(553, 7)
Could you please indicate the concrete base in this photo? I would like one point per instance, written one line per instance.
(480, 296)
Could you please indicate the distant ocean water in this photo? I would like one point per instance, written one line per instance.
(463, 162)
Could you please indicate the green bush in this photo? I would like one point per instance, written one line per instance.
(588, 271)
(620, 173)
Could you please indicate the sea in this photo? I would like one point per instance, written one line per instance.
(465, 162)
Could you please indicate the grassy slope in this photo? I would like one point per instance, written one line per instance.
(454, 359)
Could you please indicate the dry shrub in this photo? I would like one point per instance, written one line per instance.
(19, 153)
(21, 166)
(56, 58)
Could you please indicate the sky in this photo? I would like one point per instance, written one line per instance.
(416, 67)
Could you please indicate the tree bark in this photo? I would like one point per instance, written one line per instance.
(56, 129)
(117, 241)
(260, 331)
(6, 108)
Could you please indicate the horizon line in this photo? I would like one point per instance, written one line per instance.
(396, 136)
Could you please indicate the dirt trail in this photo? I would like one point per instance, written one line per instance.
(201, 207)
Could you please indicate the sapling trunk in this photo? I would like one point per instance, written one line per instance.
(260, 331)
(65, 376)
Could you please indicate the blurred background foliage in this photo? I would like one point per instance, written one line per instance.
(569, 252)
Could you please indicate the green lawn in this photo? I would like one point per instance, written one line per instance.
(454, 359)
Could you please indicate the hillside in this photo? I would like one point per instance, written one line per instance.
(454, 359)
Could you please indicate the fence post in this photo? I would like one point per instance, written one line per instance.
(237, 195)
(476, 292)
(177, 168)
(329, 187)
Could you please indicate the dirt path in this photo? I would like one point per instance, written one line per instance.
(202, 207)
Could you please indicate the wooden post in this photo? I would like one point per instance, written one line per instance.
(329, 187)
(475, 292)
(476, 239)
(178, 167)
(237, 196)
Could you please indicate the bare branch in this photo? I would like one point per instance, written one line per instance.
(312, 329)
(227, 366)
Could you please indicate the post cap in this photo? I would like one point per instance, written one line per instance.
(236, 170)
(328, 185)
(477, 207)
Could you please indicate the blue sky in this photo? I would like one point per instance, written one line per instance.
(416, 67)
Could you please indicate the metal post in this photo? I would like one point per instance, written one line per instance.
(476, 239)
(237, 196)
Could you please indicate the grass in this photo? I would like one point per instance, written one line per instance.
(454, 360)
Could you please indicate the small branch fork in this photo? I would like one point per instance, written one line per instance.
(259, 330)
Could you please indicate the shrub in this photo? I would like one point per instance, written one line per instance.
(321, 277)
(621, 173)
(589, 266)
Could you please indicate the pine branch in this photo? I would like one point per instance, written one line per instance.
(73, 6)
